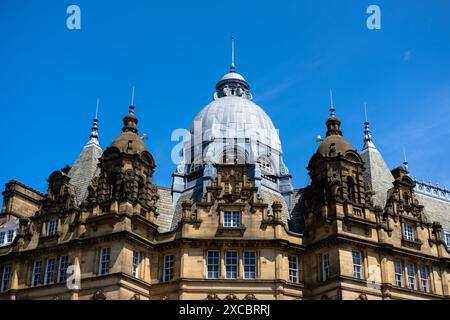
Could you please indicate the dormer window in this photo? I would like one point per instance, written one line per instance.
(408, 231)
(232, 219)
(52, 227)
(10, 236)
(7, 237)
(447, 239)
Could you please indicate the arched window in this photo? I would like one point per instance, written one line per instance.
(233, 156)
(406, 197)
(351, 188)
(266, 165)
(195, 167)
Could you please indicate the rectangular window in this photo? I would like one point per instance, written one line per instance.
(250, 265)
(293, 269)
(408, 231)
(231, 264)
(357, 265)
(2, 238)
(49, 271)
(6, 278)
(136, 263)
(446, 239)
(62, 270)
(10, 236)
(36, 276)
(168, 268)
(52, 227)
(424, 279)
(398, 266)
(105, 255)
(232, 219)
(212, 263)
(325, 264)
(411, 276)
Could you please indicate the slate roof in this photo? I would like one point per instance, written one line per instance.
(84, 170)
(377, 175)
(435, 210)
(86, 165)
(164, 209)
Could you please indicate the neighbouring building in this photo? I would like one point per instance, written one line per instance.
(231, 226)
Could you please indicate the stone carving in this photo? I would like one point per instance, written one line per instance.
(98, 295)
(212, 296)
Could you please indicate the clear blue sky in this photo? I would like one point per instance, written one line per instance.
(174, 52)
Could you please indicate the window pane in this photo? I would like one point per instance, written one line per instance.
(6, 278)
(408, 230)
(232, 219)
(293, 269)
(398, 273)
(136, 263)
(63, 265)
(250, 265)
(325, 267)
(105, 254)
(168, 267)
(49, 271)
(10, 236)
(36, 277)
(357, 264)
(411, 276)
(231, 264)
(213, 264)
(424, 279)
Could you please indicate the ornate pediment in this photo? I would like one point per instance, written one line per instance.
(232, 186)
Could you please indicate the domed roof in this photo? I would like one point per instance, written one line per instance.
(334, 140)
(232, 75)
(236, 117)
(339, 143)
(129, 142)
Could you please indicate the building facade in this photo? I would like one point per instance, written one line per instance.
(231, 226)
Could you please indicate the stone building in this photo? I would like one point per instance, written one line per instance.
(231, 226)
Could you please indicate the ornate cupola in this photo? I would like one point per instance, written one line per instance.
(232, 83)
(126, 169)
(337, 185)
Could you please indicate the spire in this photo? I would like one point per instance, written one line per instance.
(368, 141)
(130, 120)
(405, 161)
(333, 123)
(332, 109)
(93, 138)
(233, 67)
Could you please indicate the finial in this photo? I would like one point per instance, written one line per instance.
(233, 67)
(405, 161)
(332, 109)
(96, 109)
(368, 142)
(93, 137)
(132, 101)
(365, 112)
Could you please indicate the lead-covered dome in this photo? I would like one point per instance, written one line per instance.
(232, 129)
(236, 117)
